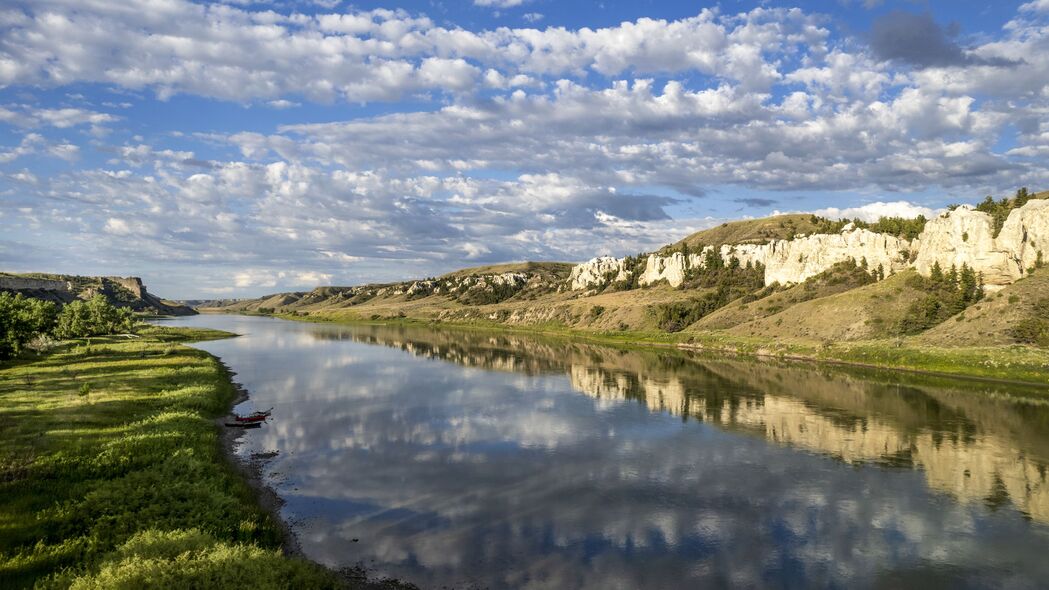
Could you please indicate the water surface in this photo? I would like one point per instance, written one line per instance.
(457, 458)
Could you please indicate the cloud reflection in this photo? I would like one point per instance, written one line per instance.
(474, 459)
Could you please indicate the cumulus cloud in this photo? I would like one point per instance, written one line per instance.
(238, 54)
(516, 143)
(61, 118)
(874, 211)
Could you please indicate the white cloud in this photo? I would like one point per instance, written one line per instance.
(1036, 6)
(874, 211)
(62, 118)
(283, 104)
(518, 150)
(268, 279)
(240, 54)
(499, 3)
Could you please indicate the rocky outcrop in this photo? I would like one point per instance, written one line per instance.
(132, 284)
(120, 291)
(14, 283)
(794, 261)
(960, 237)
(598, 272)
(1026, 234)
(791, 261)
(965, 237)
(672, 269)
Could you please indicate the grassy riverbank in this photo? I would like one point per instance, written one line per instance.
(1004, 362)
(112, 475)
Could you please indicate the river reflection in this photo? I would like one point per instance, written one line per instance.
(466, 458)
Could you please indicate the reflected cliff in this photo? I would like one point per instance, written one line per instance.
(465, 458)
(968, 441)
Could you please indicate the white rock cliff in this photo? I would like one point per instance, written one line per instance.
(596, 272)
(960, 237)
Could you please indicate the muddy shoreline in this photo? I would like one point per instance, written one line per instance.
(251, 469)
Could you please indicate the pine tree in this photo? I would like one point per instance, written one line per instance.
(936, 274)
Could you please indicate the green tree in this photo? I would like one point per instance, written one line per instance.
(74, 321)
(21, 321)
(95, 317)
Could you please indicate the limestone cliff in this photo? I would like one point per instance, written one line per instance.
(791, 261)
(965, 236)
(794, 261)
(597, 272)
(960, 237)
(672, 268)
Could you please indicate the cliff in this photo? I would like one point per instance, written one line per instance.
(120, 291)
(963, 236)
(801, 279)
(967, 237)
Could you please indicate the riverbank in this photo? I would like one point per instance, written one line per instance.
(113, 475)
(1011, 363)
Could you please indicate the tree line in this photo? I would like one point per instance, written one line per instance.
(24, 320)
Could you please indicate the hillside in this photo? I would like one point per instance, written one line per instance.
(867, 312)
(119, 291)
(967, 278)
(754, 231)
(557, 270)
(840, 278)
(996, 319)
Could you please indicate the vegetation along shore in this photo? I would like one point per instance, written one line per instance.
(113, 472)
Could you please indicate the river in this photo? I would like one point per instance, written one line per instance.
(481, 459)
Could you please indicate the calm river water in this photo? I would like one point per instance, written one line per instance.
(472, 459)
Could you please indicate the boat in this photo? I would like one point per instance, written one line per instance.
(243, 424)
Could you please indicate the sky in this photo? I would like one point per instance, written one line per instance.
(238, 148)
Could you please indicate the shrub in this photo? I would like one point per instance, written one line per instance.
(1031, 330)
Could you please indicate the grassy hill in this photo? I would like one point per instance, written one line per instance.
(867, 312)
(841, 278)
(553, 269)
(995, 319)
(756, 231)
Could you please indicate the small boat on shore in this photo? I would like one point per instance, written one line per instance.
(243, 424)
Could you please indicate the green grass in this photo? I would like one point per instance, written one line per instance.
(125, 486)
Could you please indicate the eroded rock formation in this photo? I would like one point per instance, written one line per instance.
(598, 271)
(960, 237)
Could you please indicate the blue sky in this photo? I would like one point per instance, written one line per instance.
(235, 149)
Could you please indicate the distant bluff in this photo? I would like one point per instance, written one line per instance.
(120, 291)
